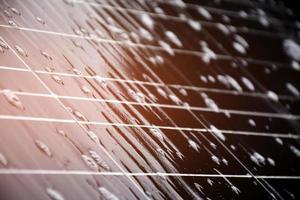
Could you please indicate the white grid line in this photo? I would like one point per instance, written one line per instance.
(70, 121)
(176, 86)
(145, 46)
(160, 174)
(157, 105)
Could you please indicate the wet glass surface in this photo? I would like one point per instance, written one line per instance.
(129, 99)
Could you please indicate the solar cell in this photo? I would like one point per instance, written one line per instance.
(149, 99)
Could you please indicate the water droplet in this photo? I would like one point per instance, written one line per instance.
(3, 159)
(180, 155)
(295, 151)
(224, 161)
(101, 163)
(147, 20)
(166, 47)
(217, 132)
(226, 19)
(258, 159)
(204, 13)
(40, 20)
(263, 21)
(235, 189)
(13, 99)
(46, 55)
(173, 38)
(203, 79)
(159, 60)
(271, 161)
(211, 78)
(194, 24)
(93, 137)
(292, 89)
(77, 44)
(57, 79)
(243, 14)
(210, 182)
(199, 187)
(295, 66)
(215, 159)
(79, 115)
(157, 133)
(12, 23)
(208, 54)
(213, 145)
(7, 14)
(76, 71)
(20, 51)
(175, 99)
(61, 132)
(43, 147)
(54, 194)
(162, 93)
(272, 95)
(146, 34)
(279, 141)
(209, 102)
(234, 83)
(86, 90)
(248, 83)
(137, 96)
(3, 46)
(224, 29)
(252, 122)
(292, 49)
(239, 48)
(106, 194)
(161, 151)
(15, 11)
(194, 145)
(90, 162)
(186, 105)
(101, 81)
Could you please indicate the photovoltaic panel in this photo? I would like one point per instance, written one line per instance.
(149, 99)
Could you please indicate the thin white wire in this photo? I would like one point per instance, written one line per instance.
(230, 132)
(177, 86)
(161, 174)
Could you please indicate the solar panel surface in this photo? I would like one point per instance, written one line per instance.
(144, 99)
